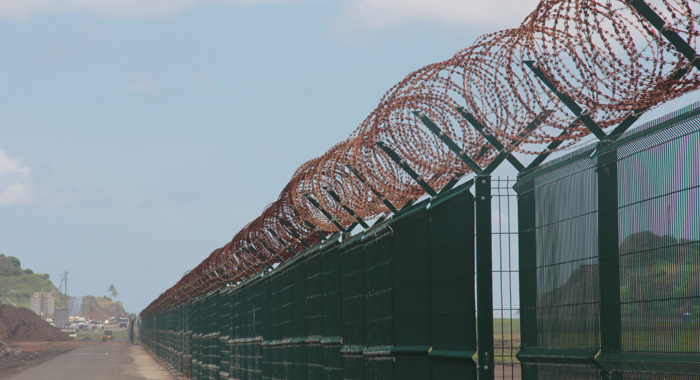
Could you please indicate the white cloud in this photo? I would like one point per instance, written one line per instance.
(361, 16)
(23, 9)
(141, 84)
(15, 181)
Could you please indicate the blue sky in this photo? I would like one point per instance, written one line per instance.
(136, 136)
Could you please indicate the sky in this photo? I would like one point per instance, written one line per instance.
(136, 136)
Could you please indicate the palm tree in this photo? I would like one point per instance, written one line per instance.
(112, 290)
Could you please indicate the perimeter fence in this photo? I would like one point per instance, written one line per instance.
(607, 257)
(397, 301)
(610, 257)
(599, 279)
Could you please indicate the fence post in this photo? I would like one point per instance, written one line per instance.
(527, 249)
(609, 255)
(484, 277)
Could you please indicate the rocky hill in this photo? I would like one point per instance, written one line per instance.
(101, 308)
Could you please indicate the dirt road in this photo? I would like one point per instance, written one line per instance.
(116, 361)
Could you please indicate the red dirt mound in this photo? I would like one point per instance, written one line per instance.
(18, 324)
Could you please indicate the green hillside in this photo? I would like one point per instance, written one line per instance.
(659, 278)
(18, 285)
(663, 272)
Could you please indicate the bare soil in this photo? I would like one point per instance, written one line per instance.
(19, 324)
(26, 340)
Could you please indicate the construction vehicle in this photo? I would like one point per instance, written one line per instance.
(108, 336)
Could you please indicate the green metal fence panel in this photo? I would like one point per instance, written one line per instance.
(332, 315)
(287, 315)
(267, 328)
(659, 255)
(656, 376)
(560, 294)
(280, 322)
(564, 241)
(412, 303)
(394, 302)
(244, 343)
(452, 285)
(236, 333)
(225, 328)
(379, 311)
(615, 243)
(314, 311)
(187, 331)
(352, 258)
(260, 323)
(241, 334)
(298, 342)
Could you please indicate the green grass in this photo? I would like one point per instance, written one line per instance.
(20, 288)
(506, 339)
(667, 337)
(506, 334)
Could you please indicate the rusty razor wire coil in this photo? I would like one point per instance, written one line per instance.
(602, 54)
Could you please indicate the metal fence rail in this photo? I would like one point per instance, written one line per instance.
(610, 257)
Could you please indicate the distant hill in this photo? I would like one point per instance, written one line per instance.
(661, 270)
(18, 285)
(101, 308)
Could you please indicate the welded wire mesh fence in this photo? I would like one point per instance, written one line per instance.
(610, 257)
(506, 299)
(599, 279)
(572, 69)
(396, 301)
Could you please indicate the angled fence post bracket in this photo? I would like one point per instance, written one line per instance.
(347, 209)
(325, 213)
(362, 179)
(403, 165)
